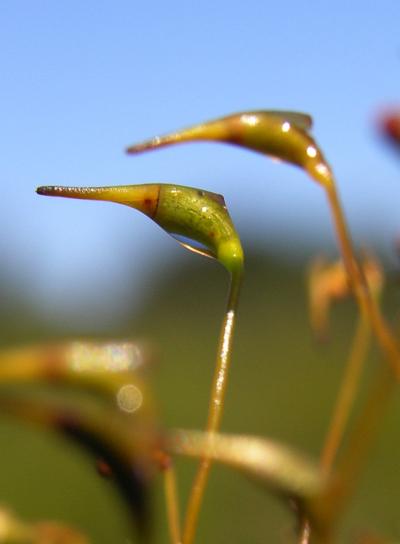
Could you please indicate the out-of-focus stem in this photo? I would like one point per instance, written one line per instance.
(216, 406)
(172, 503)
(345, 400)
(347, 393)
(329, 506)
(366, 303)
(370, 318)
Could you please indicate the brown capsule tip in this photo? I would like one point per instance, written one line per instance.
(139, 148)
(45, 190)
(57, 190)
(153, 143)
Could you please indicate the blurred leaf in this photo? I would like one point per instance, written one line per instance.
(80, 390)
(268, 462)
(14, 531)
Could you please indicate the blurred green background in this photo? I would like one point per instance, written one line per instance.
(282, 386)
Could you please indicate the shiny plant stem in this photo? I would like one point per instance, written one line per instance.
(347, 393)
(172, 503)
(366, 303)
(216, 406)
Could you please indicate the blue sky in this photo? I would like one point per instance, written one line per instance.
(82, 80)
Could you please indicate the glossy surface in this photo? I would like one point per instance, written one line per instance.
(278, 134)
(198, 215)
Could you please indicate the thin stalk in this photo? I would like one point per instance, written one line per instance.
(330, 505)
(347, 393)
(344, 403)
(366, 303)
(362, 436)
(216, 406)
(172, 503)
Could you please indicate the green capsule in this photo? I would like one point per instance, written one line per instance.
(279, 134)
(199, 216)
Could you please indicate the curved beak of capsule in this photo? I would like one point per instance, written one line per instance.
(141, 197)
(216, 130)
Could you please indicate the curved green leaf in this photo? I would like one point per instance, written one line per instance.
(266, 461)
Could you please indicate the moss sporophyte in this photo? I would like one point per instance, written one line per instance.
(197, 215)
(201, 217)
(98, 396)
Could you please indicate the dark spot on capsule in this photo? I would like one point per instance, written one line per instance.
(150, 206)
(103, 468)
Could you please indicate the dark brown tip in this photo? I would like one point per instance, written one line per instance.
(142, 147)
(53, 190)
(157, 141)
(44, 190)
(70, 192)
